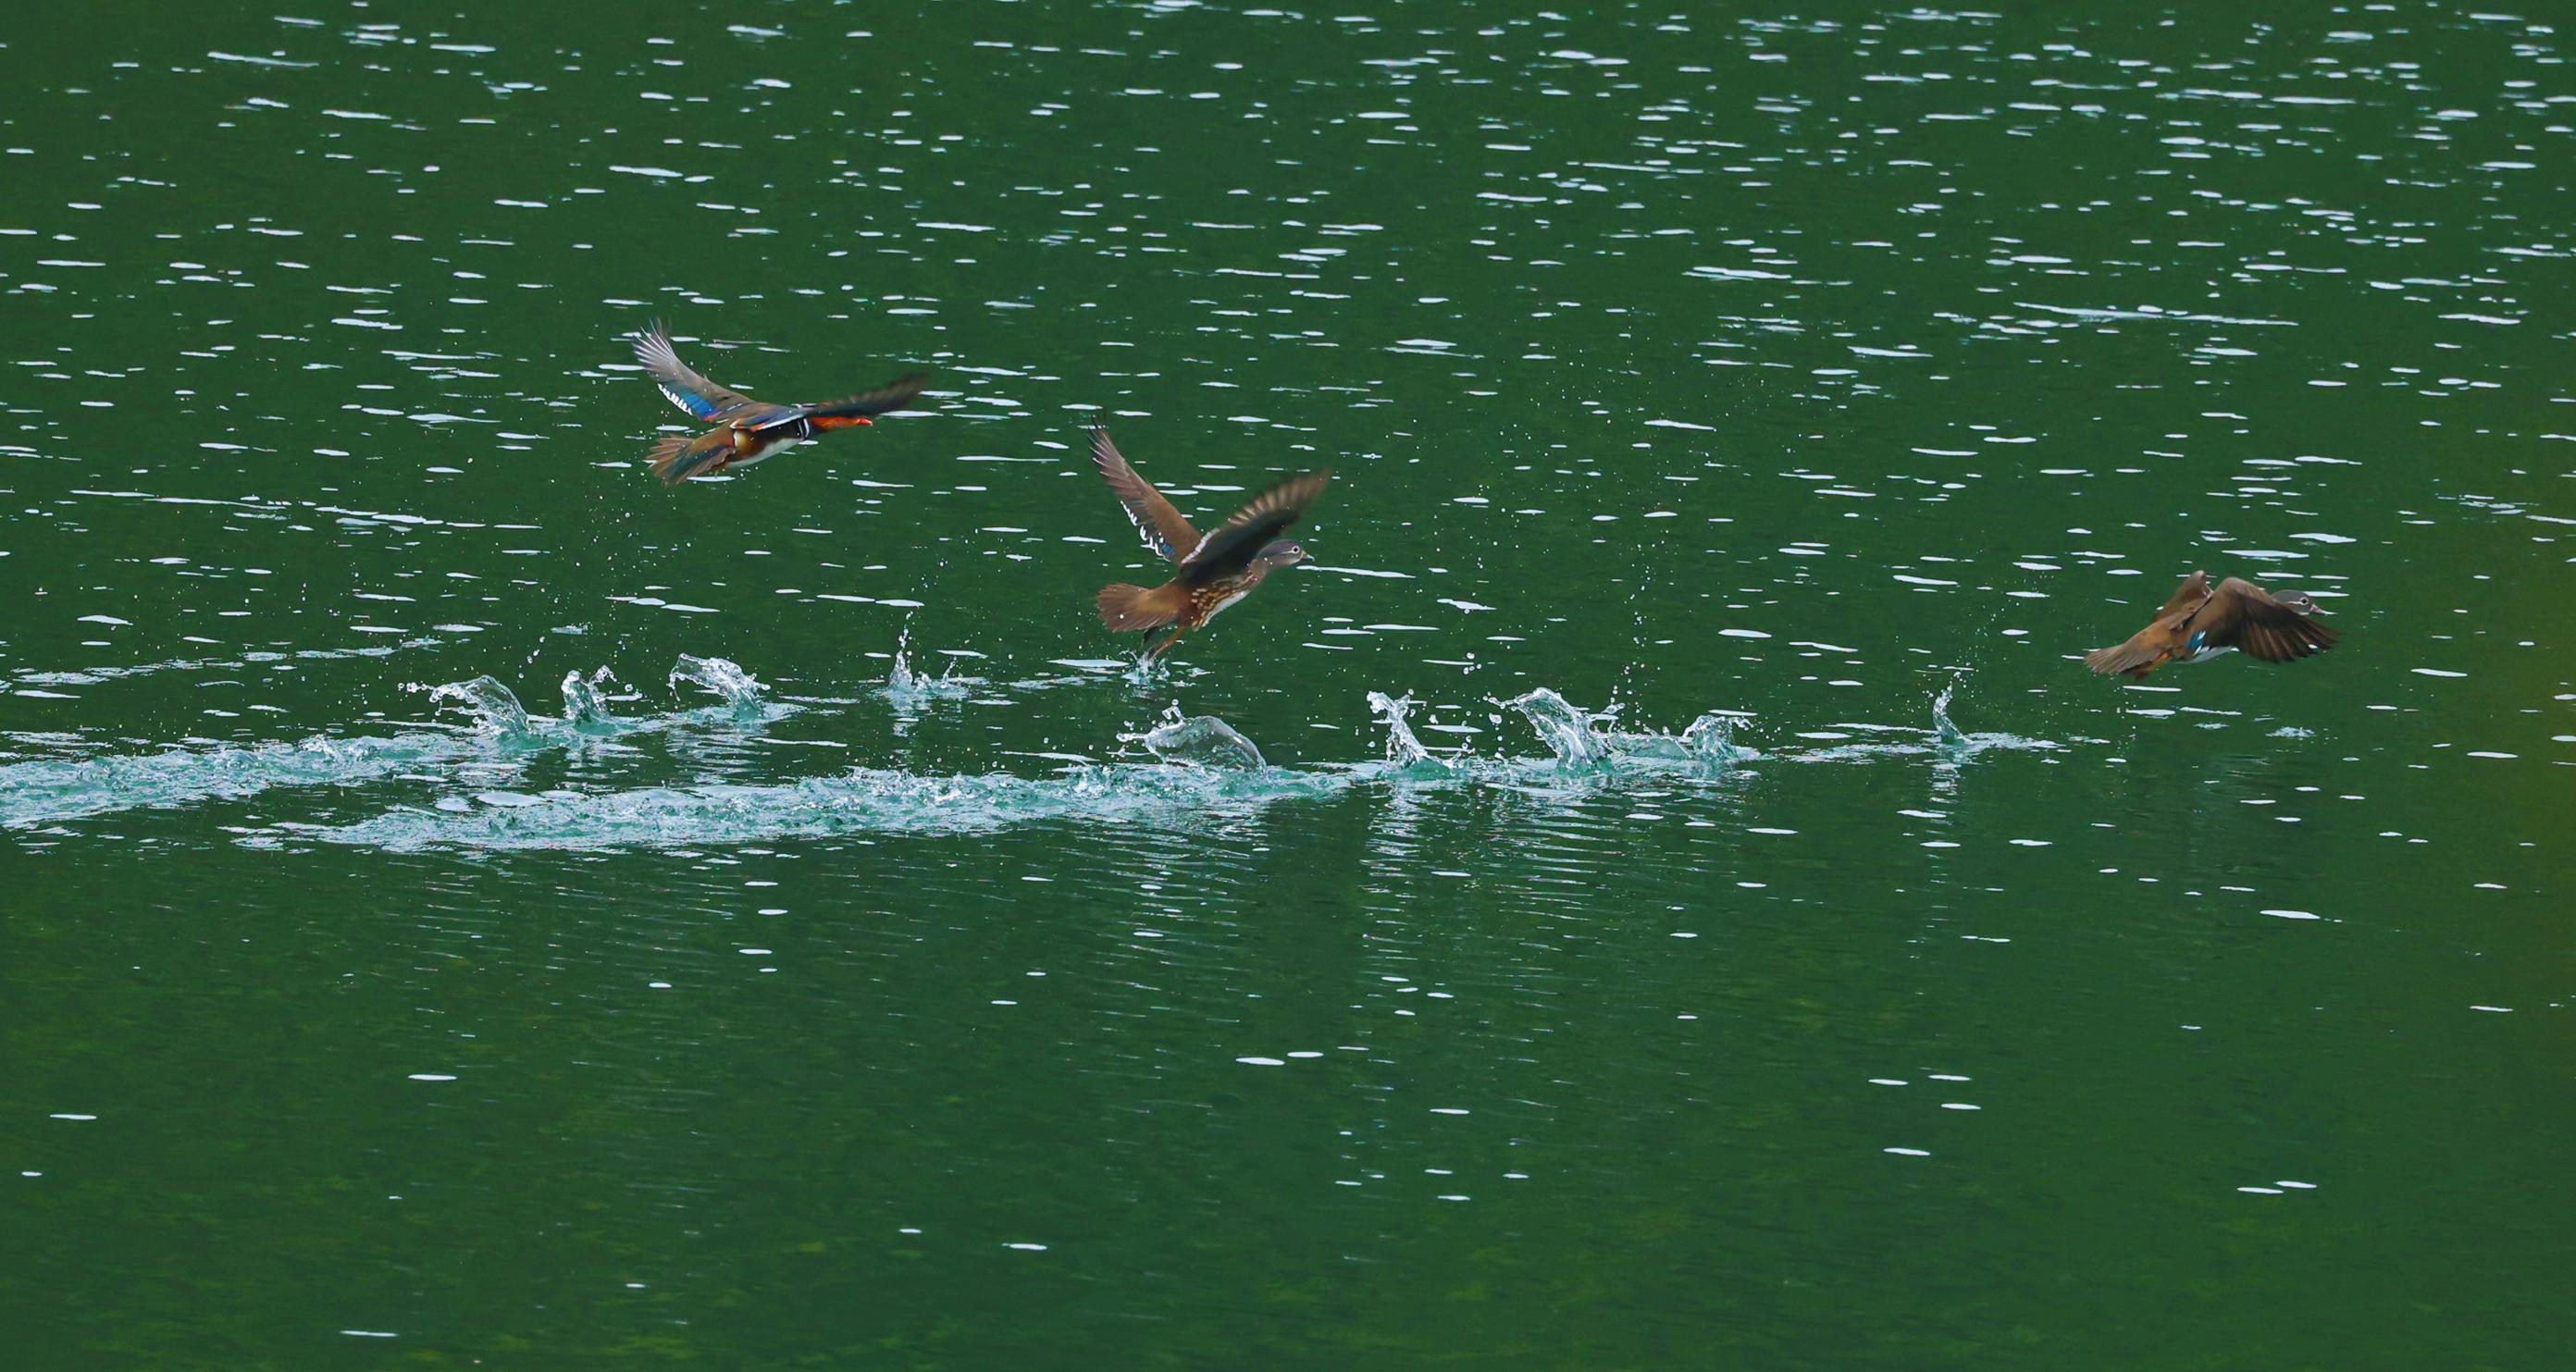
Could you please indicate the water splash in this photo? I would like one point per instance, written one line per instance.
(1948, 744)
(1199, 762)
(1946, 735)
(1200, 741)
(585, 704)
(1402, 748)
(1711, 739)
(1708, 744)
(1567, 731)
(1955, 745)
(55, 790)
(903, 683)
(497, 713)
(52, 791)
(1203, 769)
(1149, 667)
(908, 688)
(740, 689)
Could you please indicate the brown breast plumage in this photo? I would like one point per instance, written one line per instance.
(1208, 600)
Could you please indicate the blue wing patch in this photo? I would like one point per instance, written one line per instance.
(694, 404)
(703, 399)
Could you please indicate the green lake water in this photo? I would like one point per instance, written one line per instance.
(1778, 951)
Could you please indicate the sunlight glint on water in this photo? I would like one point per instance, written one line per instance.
(1720, 384)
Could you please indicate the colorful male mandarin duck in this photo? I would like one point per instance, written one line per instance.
(2199, 624)
(746, 430)
(1215, 571)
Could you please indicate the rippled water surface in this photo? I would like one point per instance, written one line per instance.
(1658, 889)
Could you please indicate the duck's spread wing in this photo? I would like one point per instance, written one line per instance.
(893, 395)
(2244, 616)
(1231, 546)
(1165, 533)
(702, 398)
(2147, 648)
(2187, 596)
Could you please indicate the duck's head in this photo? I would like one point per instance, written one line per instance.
(1283, 553)
(2299, 601)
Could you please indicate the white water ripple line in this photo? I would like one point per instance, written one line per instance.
(1202, 767)
(92, 676)
(55, 790)
(870, 801)
(878, 801)
(52, 791)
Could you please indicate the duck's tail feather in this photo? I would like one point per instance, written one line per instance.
(673, 460)
(1128, 608)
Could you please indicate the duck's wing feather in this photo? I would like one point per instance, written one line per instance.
(1231, 546)
(2187, 596)
(893, 395)
(2244, 616)
(2149, 647)
(702, 398)
(1166, 534)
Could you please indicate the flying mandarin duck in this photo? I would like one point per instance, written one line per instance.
(746, 430)
(1215, 571)
(2199, 624)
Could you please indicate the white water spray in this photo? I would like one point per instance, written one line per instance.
(1402, 748)
(1199, 741)
(497, 713)
(740, 689)
(585, 703)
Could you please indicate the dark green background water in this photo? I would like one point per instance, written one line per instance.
(1683, 358)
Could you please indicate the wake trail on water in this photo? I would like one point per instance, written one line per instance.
(50, 791)
(1198, 764)
(1945, 742)
(1201, 766)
